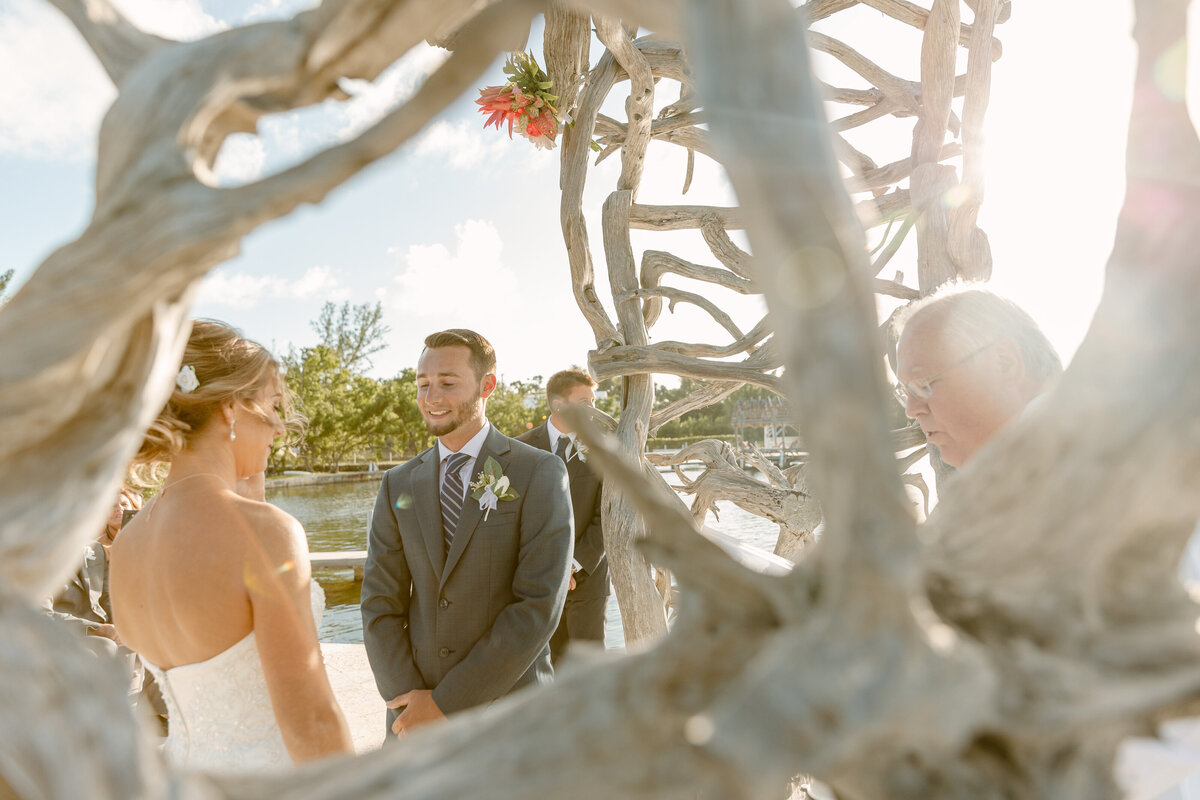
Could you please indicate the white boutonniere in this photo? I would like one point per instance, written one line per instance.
(186, 380)
(491, 486)
(578, 450)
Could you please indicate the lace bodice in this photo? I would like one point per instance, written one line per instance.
(219, 714)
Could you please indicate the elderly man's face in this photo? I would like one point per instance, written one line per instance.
(974, 393)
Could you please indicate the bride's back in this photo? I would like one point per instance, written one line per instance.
(179, 571)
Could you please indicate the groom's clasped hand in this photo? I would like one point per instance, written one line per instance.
(416, 708)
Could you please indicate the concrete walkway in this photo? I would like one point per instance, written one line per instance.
(350, 676)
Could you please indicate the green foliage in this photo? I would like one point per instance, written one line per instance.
(710, 422)
(5, 278)
(506, 408)
(354, 333)
(346, 412)
(660, 443)
(610, 403)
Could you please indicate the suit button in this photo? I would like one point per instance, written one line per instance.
(445, 651)
(443, 603)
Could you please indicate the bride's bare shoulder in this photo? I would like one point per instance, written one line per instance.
(277, 531)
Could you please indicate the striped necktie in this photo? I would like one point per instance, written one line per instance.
(560, 449)
(452, 495)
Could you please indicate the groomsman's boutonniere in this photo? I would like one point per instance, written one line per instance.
(490, 487)
(579, 450)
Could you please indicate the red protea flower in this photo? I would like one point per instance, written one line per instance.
(525, 101)
(541, 130)
(497, 101)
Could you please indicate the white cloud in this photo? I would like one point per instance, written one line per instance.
(466, 285)
(373, 99)
(274, 9)
(463, 145)
(55, 91)
(173, 19)
(239, 290)
(240, 160)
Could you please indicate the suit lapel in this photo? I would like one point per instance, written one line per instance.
(540, 438)
(428, 505)
(496, 446)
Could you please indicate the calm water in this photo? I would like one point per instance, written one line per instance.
(335, 517)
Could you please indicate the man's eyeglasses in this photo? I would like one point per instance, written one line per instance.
(922, 388)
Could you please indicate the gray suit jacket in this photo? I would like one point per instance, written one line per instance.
(472, 624)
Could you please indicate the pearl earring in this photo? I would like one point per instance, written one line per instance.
(232, 435)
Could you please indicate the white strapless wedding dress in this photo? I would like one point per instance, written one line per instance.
(219, 713)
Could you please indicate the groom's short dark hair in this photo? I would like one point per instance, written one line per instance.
(483, 355)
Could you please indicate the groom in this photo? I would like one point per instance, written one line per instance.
(458, 610)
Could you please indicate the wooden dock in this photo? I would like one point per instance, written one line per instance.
(340, 559)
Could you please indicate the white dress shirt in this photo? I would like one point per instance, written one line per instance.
(554, 434)
(471, 448)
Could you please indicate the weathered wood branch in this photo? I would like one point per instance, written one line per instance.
(674, 296)
(734, 258)
(566, 44)
(118, 45)
(881, 109)
(639, 106)
(917, 17)
(747, 344)
(880, 178)
(623, 360)
(894, 204)
(852, 97)
(656, 263)
(968, 244)
(680, 131)
(898, 90)
(704, 396)
(576, 147)
(795, 512)
(676, 218)
(815, 10)
(637, 596)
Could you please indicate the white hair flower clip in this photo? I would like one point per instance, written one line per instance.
(186, 380)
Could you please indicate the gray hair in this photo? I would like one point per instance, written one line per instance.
(976, 317)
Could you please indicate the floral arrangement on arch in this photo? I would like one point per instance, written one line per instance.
(525, 102)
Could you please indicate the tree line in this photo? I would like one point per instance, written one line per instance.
(347, 414)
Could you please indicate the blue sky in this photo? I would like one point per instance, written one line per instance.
(463, 207)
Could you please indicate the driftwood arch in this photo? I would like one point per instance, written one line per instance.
(1000, 650)
(897, 198)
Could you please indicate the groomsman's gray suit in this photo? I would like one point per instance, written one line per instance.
(472, 624)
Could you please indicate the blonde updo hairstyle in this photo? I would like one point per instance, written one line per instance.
(228, 366)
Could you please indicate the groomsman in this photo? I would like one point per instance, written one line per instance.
(583, 615)
(460, 594)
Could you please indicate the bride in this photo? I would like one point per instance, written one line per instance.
(214, 589)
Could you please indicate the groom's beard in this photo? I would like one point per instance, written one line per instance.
(461, 414)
